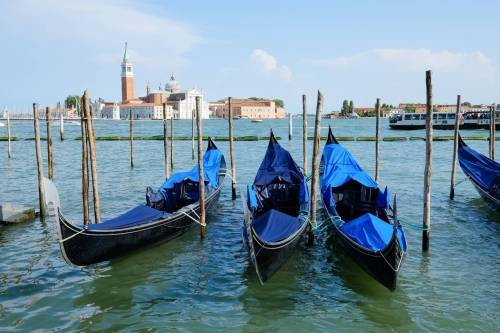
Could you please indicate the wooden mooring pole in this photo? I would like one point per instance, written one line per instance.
(193, 115)
(428, 165)
(455, 149)
(165, 141)
(290, 126)
(172, 143)
(39, 162)
(61, 126)
(377, 140)
(93, 159)
(201, 186)
(131, 138)
(315, 158)
(231, 149)
(50, 156)
(9, 138)
(85, 166)
(304, 133)
(492, 132)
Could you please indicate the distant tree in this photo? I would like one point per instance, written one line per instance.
(101, 100)
(409, 109)
(71, 101)
(351, 107)
(466, 104)
(255, 98)
(279, 103)
(345, 108)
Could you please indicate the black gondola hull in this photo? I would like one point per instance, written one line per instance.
(382, 266)
(84, 247)
(491, 201)
(268, 259)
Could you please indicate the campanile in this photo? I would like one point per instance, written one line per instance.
(127, 78)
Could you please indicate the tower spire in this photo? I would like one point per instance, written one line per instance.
(125, 54)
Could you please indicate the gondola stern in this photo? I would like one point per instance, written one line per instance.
(331, 138)
(211, 144)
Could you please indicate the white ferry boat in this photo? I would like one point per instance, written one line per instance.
(443, 120)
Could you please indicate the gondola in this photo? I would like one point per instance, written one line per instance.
(364, 223)
(276, 211)
(168, 213)
(483, 172)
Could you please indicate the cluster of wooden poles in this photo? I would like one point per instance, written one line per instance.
(89, 153)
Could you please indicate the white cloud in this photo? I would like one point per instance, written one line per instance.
(390, 60)
(268, 63)
(98, 27)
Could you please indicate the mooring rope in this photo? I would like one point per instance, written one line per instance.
(397, 267)
(74, 235)
(192, 218)
(413, 226)
(460, 182)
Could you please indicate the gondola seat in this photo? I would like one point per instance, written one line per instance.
(368, 231)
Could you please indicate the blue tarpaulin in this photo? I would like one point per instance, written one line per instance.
(252, 198)
(483, 170)
(278, 164)
(384, 199)
(136, 216)
(211, 164)
(274, 226)
(369, 231)
(340, 167)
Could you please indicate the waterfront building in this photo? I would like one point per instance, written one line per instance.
(180, 104)
(249, 108)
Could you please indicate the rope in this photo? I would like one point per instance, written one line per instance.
(192, 218)
(413, 226)
(460, 182)
(388, 264)
(74, 235)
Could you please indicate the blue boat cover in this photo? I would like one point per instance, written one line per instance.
(252, 198)
(136, 216)
(274, 226)
(340, 167)
(211, 165)
(483, 170)
(384, 199)
(279, 164)
(369, 231)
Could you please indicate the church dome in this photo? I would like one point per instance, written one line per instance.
(172, 85)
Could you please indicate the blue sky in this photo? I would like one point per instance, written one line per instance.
(357, 50)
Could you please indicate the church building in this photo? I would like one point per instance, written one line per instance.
(180, 104)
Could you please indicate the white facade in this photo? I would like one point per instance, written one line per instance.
(139, 111)
(186, 108)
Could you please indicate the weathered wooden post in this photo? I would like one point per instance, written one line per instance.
(93, 159)
(61, 126)
(131, 138)
(172, 143)
(201, 186)
(9, 138)
(193, 115)
(39, 161)
(231, 149)
(50, 156)
(428, 165)
(377, 140)
(290, 125)
(492, 132)
(85, 166)
(455, 149)
(315, 158)
(304, 133)
(165, 141)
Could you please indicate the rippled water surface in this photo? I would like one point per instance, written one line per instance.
(208, 285)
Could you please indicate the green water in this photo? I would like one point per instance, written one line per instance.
(192, 285)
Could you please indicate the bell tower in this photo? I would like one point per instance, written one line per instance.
(127, 77)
